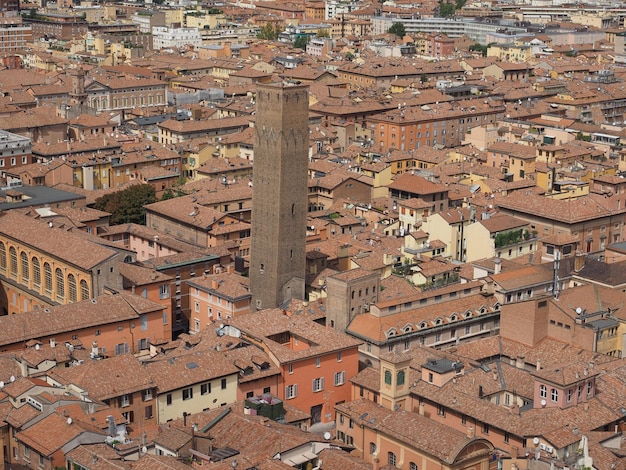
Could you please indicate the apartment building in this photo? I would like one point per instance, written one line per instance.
(439, 318)
(411, 186)
(383, 73)
(15, 151)
(186, 219)
(502, 236)
(176, 132)
(216, 297)
(593, 319)
(443, 124)
(315, 362)
(164, 37)
(595, 220)
(112, 324)
(14, 34)
(191, 383)
(120, 382)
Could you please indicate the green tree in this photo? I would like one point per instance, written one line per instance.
(301, 42)
(349, 56)
(127, 206)
(446, 9)
(479, 48)
(398, 29)
(323, 33)
(269, 32)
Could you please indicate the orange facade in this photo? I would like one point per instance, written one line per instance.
(316, 384)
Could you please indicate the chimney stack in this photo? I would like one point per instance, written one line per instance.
(497, 266)
(579, 261)
(471, 432)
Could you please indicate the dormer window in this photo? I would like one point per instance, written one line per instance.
(468, 314)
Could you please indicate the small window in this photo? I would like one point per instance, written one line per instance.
(187, 393)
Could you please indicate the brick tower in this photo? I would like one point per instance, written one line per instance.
(279, 195)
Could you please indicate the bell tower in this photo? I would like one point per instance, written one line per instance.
(279, 195)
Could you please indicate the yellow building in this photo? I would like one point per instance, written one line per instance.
(510, 52)
(43, 265)
(209, 381)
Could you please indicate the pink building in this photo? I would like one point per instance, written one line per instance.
(564, 387)
(216, 297)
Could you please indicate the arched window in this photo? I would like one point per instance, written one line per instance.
(372, 448)
(84, 290)
(3, 257)
(36, 272)
(388, 377)
(413, 466)
(60, 280)
(13, 256)
(25, 270)
(71, 286)
(391, 459)
(47, 272)
(400, 380)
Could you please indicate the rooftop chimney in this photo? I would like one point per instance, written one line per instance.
(497, 266)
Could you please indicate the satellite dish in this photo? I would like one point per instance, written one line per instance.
(543, 402)
(2, 384)
(69, 420)
(535, 440)
(579, 310)
(144, 449)
(12, 378)
(326, 435)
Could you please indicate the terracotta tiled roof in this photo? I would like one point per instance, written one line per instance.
(140, 275)
(98, 457)
(269, 322)
(51, 434)
(415, 184)
(376, 328)
(426, 435)
(103, 310)
(184, 370)
(67, 246)
(108, 378)
(502, 222)
(225, 285)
